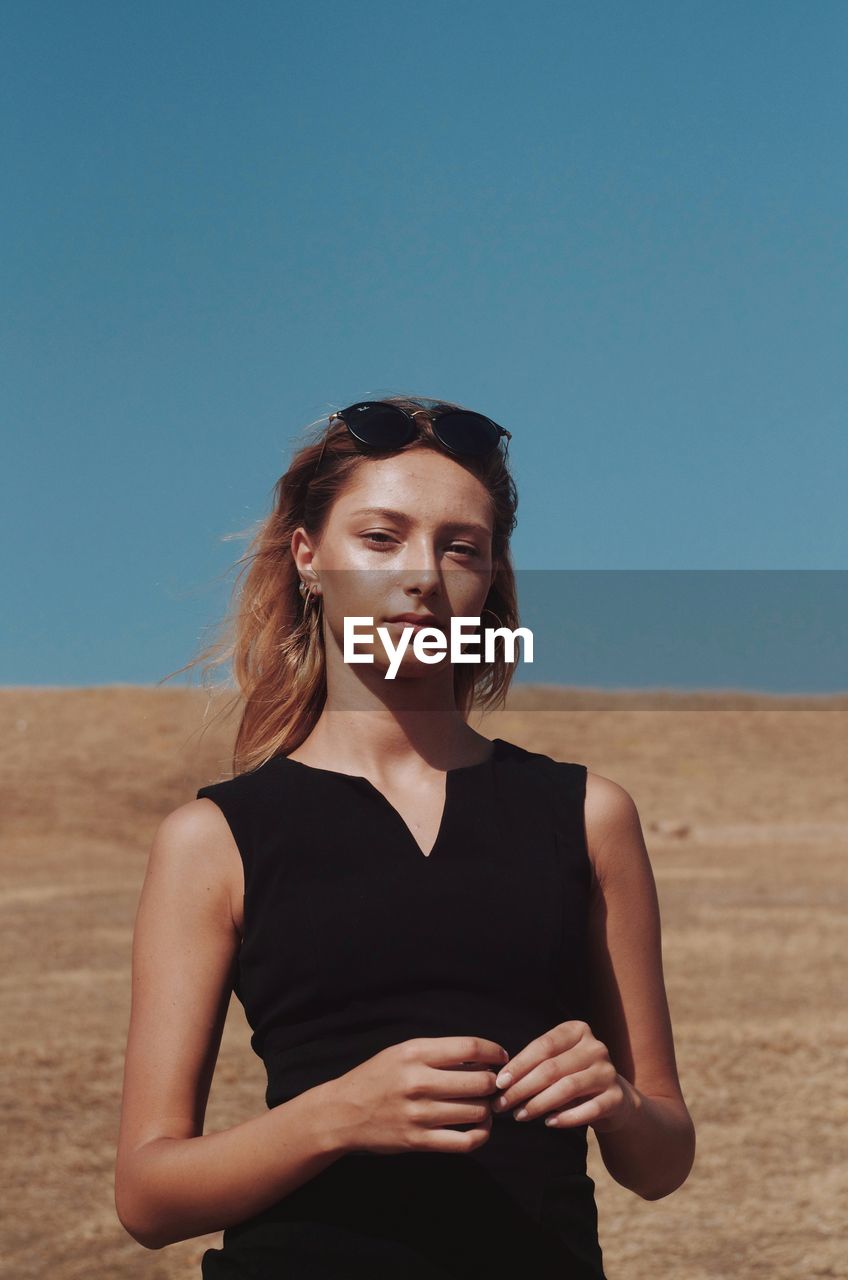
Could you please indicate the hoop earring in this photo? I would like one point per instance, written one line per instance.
(308, 594)
(494, 615)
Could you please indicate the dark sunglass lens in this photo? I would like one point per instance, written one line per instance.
(466, 432)
(381, 426)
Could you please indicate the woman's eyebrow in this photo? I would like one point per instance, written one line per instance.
(389, 514)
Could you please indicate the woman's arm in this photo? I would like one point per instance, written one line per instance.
(171, 1183)
(652, 1154)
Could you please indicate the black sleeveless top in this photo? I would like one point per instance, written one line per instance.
(355, 940)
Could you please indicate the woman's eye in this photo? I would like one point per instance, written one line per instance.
(375, 540)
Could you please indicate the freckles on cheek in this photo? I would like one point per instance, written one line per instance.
(361, 592)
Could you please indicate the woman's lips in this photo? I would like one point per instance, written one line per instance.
(407, 622)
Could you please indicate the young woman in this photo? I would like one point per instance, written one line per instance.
(447, 947)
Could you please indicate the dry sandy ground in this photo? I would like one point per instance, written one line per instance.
(753, 902)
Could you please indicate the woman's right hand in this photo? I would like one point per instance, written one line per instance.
(401, 1098)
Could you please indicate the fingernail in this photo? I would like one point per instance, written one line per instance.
(504, 1080)
(521, 1115)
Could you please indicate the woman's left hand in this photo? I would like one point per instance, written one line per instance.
(566, 1066)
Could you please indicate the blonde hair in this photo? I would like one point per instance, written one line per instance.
(274, 637)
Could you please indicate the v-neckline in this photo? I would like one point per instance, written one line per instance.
(450, 774)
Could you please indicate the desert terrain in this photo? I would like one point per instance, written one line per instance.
(744, 806)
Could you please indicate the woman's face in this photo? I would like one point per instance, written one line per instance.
(411, 533)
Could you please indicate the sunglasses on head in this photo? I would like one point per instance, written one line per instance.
(381, 425)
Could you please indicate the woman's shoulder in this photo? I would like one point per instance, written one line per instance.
(238, 785)
(613, 825)
(195, 851)
(241, 799)
(605, 798)
(608, 810)
(571, 771)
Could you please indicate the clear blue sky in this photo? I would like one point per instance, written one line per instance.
(618, 229)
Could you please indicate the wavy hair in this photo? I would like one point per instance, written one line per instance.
(274, 638)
